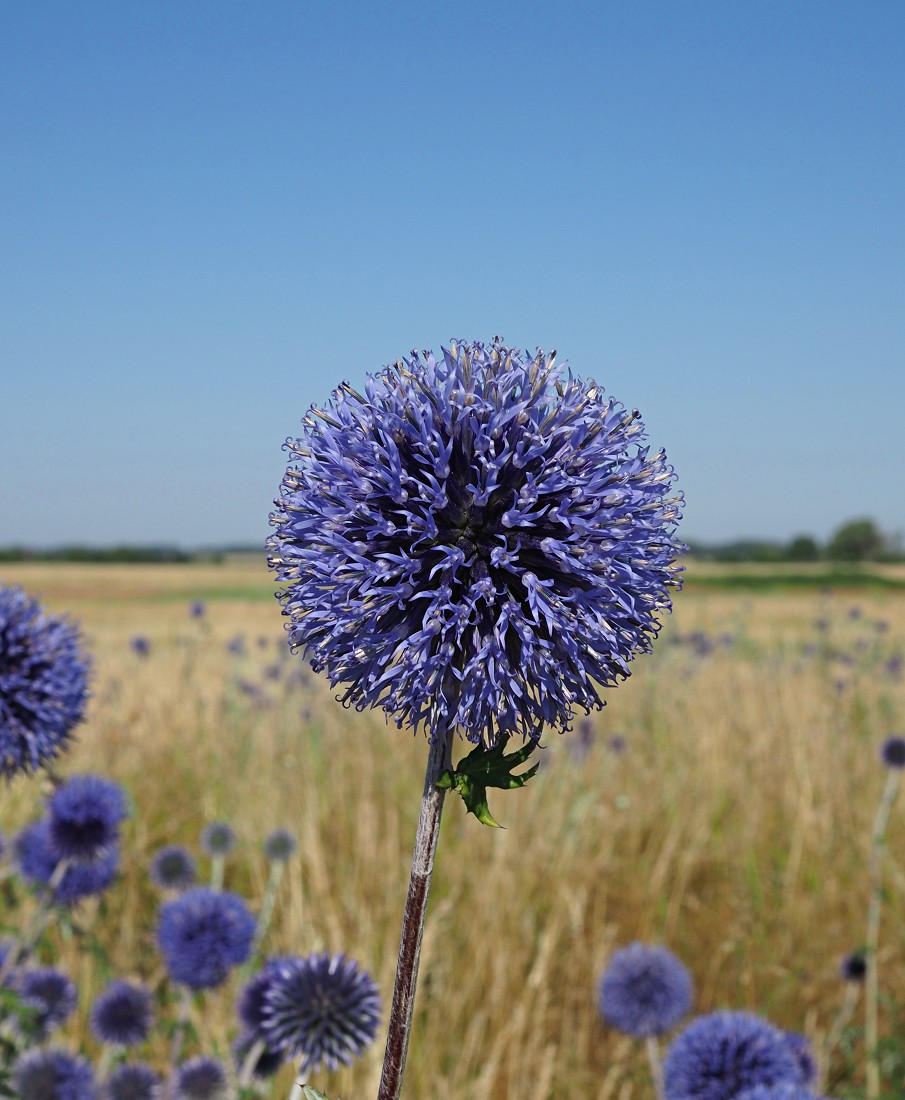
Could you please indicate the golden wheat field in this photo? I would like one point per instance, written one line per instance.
(730, 823)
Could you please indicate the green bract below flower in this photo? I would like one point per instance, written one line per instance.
(478, 541)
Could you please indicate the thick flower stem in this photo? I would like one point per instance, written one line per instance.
(426, 838)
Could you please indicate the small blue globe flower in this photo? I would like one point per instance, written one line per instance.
(203, 934)
(323, 1010)
(84, 816)
(133, 1081)
(197, 609)
(53, 1075)
(122, 1014)
(141, 645)
(218, 839)
(480, 541)
(51, 993)
(720, 1055)
(201, 1078)
(893, 752)
(37, 858)
(804, 1055)
(43, 683)
(645, 990)
(173, 868)
(853, 967)
(279, 846)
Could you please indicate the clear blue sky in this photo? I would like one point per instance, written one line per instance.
(212, 212)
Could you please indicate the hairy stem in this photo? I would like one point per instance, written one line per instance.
(871, 980)
(426, 838)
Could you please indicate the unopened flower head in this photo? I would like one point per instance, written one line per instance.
(645, 990)
(51, 994)
(279, 846)
(43, 683)
(893, 752)
(218, 839)
(122, 1015)
(201, 1078)
(53, 1074)
(853, 967)
(322, 1009)
(84, 816)
(203, 934)
(173, 868)
(133, 1081)
(479, 541)
(720, 1055)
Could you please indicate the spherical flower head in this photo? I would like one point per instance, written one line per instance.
(133, 1081)
(804, 1056)
(479, 541)
(720, 1055)
(267, 1062)
(203, 934)
(893, 752)
(201, 1078)
(323, 1010)
(37, 857)
(853, 967)
(251, 1004)
(51, 994)
(197, 609)
(645, 990)
(122, 1015)
(84, 816)
(279, 846)
(218, 839)
(173, 868)
(43, 683)
(53, 1075)
(141, 645)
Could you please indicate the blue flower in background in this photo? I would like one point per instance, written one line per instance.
(201, 1078)
(84, 816)
(141, 645)
(722, 1054)
(51, 994)
(480, 541)
(645, 990)
(322, 1009)
(53, 1075)
(37, 858)
(173, 868)
(218, 839)
(203, 934)
(133, 1081)
(43, 683)
(122, 1015)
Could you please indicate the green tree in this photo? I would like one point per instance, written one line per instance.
(857, 540)
(803, 548)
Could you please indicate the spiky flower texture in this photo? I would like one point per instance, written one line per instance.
(479, 541)
(43, 683)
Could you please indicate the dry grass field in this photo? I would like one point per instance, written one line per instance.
(733, 826)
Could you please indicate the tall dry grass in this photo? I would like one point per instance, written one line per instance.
(733, 828)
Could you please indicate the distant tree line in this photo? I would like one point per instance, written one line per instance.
(857, 540)
(123, 554)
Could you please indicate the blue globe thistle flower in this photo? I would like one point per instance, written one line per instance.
(853, 967)
(720, 1055)
(197, 609)
(173, 868)
(43, 683)
(784, 1090)
(251, 1004)
(141, 645)
(279, 846)
(203, 934)
(893, 752)
(133, 1081)
(645, 990)
(218, 839)
(267, 1062)
(807, 1064)
(122, 1015)
(200, 1078)
(37, 857)
(52, 994)
(53, 1075)
(479, 541)
(321, 1009)
(84, 816)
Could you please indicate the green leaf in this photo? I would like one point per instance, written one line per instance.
(487, 767)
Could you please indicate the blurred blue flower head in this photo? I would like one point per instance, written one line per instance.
(203, 934)
(480, 540)
(173, 867)
(645, 990)
(720, 1055)
(201, 1078)
(51, 994)
(43, 683)
(84, 816)
(133, 1081)
(53, 1074)
(122, 1014)
(37, 857)
(218, 839)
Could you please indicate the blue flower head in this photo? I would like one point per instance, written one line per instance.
(51, 994)
(122, 1015)
(43, 683)
(218, 839)
(322, 1009)
(480, 541)
(203, 934)
(893, 752)
(37, 857)
(645, 990)
(267, 1062)
(173, 868)
(133, 1081)
(201, 1078)
(724, 1053)
(84, 816)
(279, 845)
(53, 1074)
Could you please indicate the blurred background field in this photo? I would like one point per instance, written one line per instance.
(721, 804)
